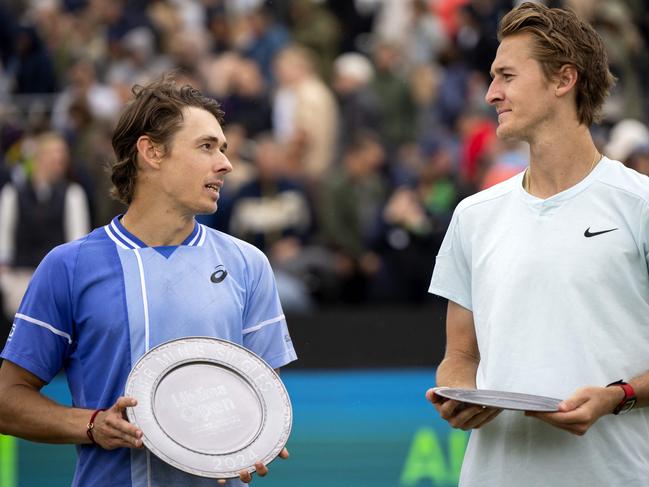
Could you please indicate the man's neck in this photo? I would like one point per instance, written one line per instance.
(559, 161)
(157, 227)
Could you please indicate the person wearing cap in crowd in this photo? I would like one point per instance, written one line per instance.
(625, 137)
(639, 159)
(547, 277)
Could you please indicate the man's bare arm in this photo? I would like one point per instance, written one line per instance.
(460, 363)
(458, 369)
(28, 414)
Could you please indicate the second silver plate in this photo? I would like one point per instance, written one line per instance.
(500, 399)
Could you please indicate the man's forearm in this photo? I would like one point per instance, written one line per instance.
(640, 385)
(26, 413)
(457, 370)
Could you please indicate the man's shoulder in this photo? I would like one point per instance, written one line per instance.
(490, 197)
(67, 254)
(229, 243)
(622, 178)
(69, 250)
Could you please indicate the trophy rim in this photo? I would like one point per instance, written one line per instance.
(274, 408)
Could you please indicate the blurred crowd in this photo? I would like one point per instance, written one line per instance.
(354, 126)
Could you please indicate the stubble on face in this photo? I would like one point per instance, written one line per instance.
(196, 163)
(524, 101)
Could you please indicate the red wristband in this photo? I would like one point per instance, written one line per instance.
(629, 400)
(91, 425)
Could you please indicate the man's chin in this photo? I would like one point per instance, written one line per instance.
(505, 133)
(208, 211)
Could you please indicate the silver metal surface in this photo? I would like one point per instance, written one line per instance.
(209, 407)
(501, 399)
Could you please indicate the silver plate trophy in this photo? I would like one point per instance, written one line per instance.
(209, 407)
(500, 399)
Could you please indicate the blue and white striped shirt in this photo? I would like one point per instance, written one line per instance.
(95, 305)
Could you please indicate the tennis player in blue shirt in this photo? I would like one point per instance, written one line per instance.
(96, 305)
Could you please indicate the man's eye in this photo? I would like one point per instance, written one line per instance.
(206, 146)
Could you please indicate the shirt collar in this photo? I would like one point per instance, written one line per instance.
(125, 239)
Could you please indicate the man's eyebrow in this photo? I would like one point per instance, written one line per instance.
(499, 70)
(214, 139)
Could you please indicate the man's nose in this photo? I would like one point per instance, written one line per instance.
(493, 93)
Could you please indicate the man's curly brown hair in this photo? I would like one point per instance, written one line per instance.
(157, 112)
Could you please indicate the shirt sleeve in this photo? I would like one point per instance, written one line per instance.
(42, 336)
(452, 273)
(265, 331)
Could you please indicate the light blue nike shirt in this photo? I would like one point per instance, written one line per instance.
(96, 305)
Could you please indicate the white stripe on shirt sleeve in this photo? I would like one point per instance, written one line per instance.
(277, 319)
(45, 325)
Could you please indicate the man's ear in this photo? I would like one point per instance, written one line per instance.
(150, 152)
(565, 80)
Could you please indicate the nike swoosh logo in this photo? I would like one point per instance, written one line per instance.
(589, 234)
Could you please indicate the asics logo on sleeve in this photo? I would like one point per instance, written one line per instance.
(219, 274)
(589, 234)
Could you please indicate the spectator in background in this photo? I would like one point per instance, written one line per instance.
(629, 143)
(190, 50)
(355, 20)
(624, 137)
(31, 66)
(358, 105)
(425, 82)
(219, 29)
(8, 30)
(318, 30)
(305, 115)
(453, 92)
(138, 61)
(57, 29)
(477, 132)
(349, 207)
(273, 212)
(626, 51)
(266, 38)
(271, 209)
(102, 101)
(415, 219)
(391, 90)
(476, 37)
(425, 35)
(504, 159)
(89, 142)
(37, 213)
(248, 102)
(639, 159)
